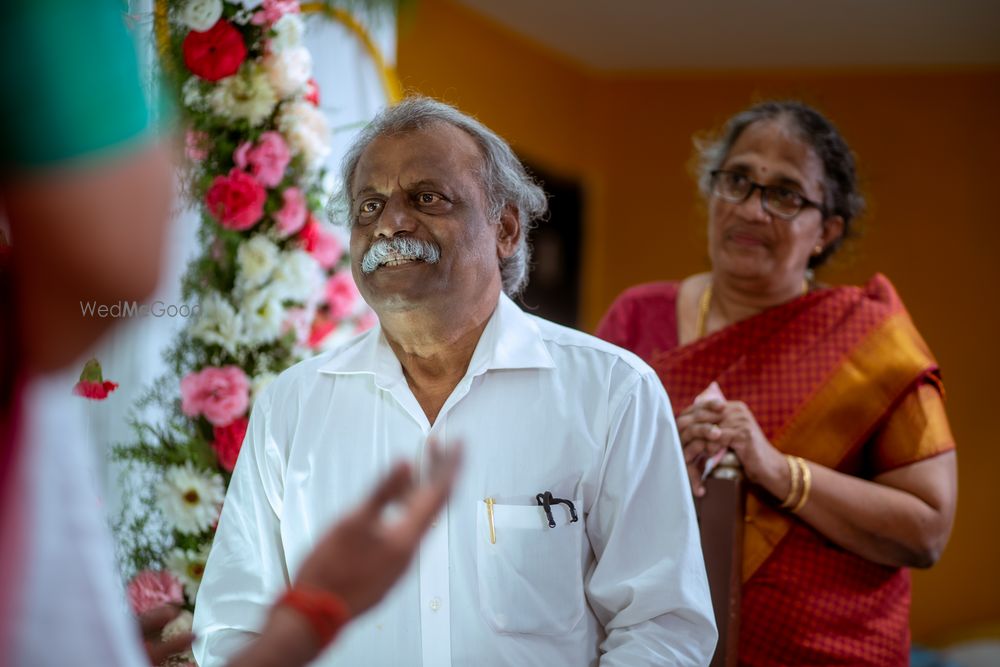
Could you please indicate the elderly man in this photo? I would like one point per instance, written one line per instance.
(570, 538)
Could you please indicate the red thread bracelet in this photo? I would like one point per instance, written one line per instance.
(326, 612)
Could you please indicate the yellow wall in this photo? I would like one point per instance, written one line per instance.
(928, 145)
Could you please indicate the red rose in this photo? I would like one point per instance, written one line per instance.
(236, 200)
(228, 440)
(92, 384)
(215, 53)
(97, 391)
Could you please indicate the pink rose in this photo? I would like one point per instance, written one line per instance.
(228, 440)
(221, 394)
(151, 589)
(273, 10)
(269, 158)
(195, 143)
(236, 200)
(321, 244)
(293, 212)
(341, 294)
(240, 154)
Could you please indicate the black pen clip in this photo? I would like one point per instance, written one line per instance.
(546, 500)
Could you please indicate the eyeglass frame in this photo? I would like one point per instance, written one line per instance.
(764, 189)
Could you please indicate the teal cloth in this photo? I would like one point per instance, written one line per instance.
(70, 81)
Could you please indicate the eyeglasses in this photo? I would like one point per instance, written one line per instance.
(736, 188)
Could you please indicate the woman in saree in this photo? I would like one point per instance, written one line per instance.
(831, 399)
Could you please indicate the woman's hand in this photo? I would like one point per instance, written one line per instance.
(700, 434)
(711, 425)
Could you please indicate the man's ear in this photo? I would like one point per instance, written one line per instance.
(508, 231)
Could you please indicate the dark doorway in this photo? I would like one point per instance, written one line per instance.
(553, 290)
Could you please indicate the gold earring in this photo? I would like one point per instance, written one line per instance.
(818, 249)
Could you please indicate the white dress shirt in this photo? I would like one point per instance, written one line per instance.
(541, 408)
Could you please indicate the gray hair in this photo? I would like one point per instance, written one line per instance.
(504, 178)
(840, 181)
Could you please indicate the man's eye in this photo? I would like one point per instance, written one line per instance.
(736, 179)
(427, 198)
(369, 206)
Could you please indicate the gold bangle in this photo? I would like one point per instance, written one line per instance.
(806, 484)
(796, 480)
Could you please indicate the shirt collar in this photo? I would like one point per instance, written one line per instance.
(510, 340)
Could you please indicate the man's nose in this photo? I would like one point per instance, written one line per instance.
(397, 216)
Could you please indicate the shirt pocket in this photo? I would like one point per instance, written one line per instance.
(531, 579)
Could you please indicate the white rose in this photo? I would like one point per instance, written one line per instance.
(256, 259)
(201, 15)
(288, 33)
(248, 95)
(298, 276)
(288, 70)
(218, 323)
(306, 130)
(263, 315)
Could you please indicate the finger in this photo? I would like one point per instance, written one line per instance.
(161, 650)
(693, 449)
(443, 462)
(710, 404)
(708, 432)
(392, 487)
(694, 476)
(428, 499)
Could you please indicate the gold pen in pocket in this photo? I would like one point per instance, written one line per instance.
(489, 513)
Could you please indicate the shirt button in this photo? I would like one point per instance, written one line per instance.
(435, 603)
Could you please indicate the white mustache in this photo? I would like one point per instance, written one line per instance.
(399, 247)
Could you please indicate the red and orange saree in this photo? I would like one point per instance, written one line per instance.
(840, 377)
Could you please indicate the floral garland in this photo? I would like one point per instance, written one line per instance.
(272, 279)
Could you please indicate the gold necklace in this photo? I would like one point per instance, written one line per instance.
(706, 301)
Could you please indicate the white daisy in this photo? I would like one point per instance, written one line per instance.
(189, 567)
(191, 499)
